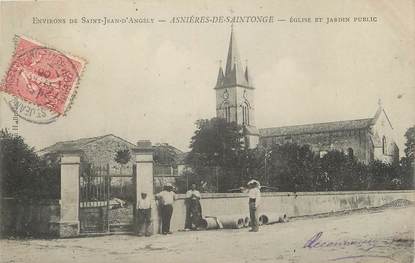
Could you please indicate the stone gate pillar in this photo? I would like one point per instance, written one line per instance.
(69, 203)
(143, 154)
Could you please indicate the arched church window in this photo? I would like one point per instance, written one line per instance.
(228, 113)
(245, 114)
(384, 145)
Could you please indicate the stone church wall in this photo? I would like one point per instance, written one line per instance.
(324, 142)
(386, 152)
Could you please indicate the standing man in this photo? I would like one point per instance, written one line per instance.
(166, 199)
(193, 208)
(144, 215)
(254, 195)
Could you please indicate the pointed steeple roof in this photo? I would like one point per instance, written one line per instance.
(234, 73)
(233, 60)
(219, 81)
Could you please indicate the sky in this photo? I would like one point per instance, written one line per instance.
(153, 81)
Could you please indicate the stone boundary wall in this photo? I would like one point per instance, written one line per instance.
(29, 217)
(42, 217)
(291, 204)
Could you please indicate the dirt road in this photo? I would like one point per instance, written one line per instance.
(371, 236)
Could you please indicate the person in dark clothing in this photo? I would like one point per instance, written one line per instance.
(166, 199)
(193, 208)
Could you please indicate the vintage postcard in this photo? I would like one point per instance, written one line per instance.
(207, 131)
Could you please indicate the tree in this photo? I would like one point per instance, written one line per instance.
(217, 149)
(47, 178)
(342, 172)
(123, 156)
(292, 167)
(19, 164)
(410, 142)
(382, 176)
(23, 173)
(407, 163)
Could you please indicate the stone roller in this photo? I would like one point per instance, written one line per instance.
(209, 223)
(231, 221)
(247, 220)
(271, 218)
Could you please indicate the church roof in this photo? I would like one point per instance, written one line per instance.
(316, 128)
(234, 73)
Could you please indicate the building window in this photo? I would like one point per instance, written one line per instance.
(384, 150)
(244, 118)
(245, 114)
(226, 112)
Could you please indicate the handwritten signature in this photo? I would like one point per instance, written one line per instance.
(314, 242)
(367, 245)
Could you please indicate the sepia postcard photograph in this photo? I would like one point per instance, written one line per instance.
(207, 131)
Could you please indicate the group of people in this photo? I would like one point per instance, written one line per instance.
(165, 199)
(193, 221)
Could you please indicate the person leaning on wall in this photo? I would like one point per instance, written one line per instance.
(193, 209)
(166, 199)
(144, 215)
(254, 195)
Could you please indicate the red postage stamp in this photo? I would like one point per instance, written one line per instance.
(41, 81)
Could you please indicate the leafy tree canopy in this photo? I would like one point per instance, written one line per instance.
(123, 156)
(23, 173)
(217, 153)
(410, 142)
(215, 143)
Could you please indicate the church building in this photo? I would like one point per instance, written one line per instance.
(366, 139)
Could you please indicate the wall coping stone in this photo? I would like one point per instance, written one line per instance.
(271, 194)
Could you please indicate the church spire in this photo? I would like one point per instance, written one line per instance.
(234, 73)
(233, 60)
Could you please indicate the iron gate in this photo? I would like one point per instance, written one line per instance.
(107, 199)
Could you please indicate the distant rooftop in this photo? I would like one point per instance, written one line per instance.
(76, 144)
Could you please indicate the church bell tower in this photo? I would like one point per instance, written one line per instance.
(235, 94)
